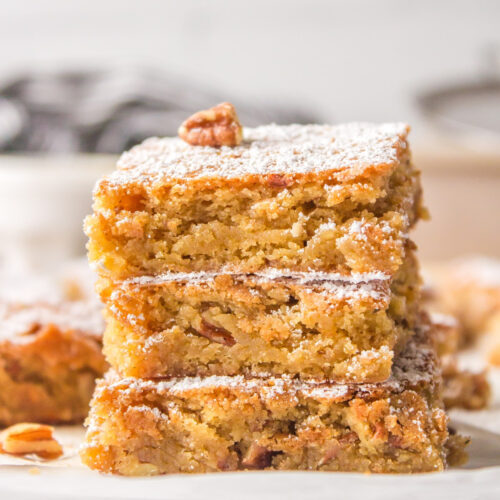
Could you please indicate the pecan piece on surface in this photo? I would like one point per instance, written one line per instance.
(257, 457)
(30, 439)
(216, 333)
(217, 126)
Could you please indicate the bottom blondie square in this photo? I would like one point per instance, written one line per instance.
(50, 356)
(148, 427)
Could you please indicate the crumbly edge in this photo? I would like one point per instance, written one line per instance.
(175, 353)
(464, 388)
(316, 225)
(147, 427)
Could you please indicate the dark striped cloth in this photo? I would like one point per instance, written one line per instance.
(110, 111)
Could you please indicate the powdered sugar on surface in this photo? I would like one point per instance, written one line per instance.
(18, 320)
(266, 150)
(374, 285)
(416, 365)
(443, 319)
(266, 275)
(482, 270)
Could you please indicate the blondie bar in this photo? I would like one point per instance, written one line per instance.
(469, 289)
(146, 427)
(314, 325)
(50, 356)
(299, 198)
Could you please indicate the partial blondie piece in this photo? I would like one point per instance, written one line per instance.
(462, 388)
(50, 356)
(312, 325)
(300, 198)
(469, 289)
(140, 427)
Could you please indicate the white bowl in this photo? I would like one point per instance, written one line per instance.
(43, 200)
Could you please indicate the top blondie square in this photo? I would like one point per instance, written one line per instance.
(337, 199)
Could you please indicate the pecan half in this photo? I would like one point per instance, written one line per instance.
(216, 333)
(217, 126)
(28, 439)
(257, 457)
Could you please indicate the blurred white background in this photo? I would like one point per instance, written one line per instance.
(342, 60)
(347, 59)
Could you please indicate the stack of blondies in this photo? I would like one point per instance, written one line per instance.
(263, 304)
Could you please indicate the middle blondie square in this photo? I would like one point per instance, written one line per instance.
(312, 325)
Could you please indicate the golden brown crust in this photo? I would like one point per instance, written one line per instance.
(403, 433)
(242, 265)
(337, 199)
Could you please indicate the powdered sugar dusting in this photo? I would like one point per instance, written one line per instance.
(482, 270)
(443, 319)
(416, 365)
(18, 320)
(266, 275)
(374, 285)
(266, 150)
